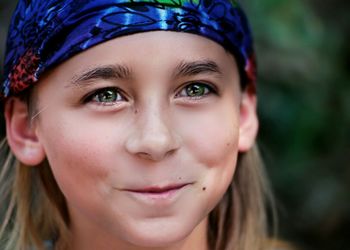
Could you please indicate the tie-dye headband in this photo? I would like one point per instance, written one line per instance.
(44, 33)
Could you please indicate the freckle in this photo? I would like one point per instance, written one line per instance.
(228, 144)
(135, 112)
(204, 188)
(180, 178)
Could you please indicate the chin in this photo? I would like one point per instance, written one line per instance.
(165, 237)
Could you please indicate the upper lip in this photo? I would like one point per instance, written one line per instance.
(157, 189)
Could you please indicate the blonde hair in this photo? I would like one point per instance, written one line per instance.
(35, 209)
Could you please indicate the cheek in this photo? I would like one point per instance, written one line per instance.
(212, 136)
(211, 139)
(77, 154)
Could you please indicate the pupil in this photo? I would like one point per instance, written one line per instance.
(107, 96)
(195, 90)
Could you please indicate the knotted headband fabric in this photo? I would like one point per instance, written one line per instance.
(44, 33)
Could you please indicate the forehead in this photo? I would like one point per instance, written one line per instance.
(144, 60)
(158, 48)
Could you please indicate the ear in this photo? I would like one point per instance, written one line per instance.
(21, 135)
(249, 123)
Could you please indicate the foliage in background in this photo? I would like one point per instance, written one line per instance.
(304, 88)
(304, 106)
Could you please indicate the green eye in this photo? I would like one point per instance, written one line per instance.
(195, 90)
(107, 96)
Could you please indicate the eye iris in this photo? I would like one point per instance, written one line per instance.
(107, 96)
(195, 90)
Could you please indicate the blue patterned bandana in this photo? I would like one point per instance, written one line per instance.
(44, 33)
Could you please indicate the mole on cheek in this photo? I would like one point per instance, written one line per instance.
(135, 111)
(204, 188)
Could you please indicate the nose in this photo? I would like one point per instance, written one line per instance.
(152, 136)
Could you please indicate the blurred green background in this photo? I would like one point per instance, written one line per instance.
(303, 53)
(303, 49)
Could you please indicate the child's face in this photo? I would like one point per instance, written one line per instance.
(138, 159)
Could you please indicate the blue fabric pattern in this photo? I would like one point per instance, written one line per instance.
(44, 33)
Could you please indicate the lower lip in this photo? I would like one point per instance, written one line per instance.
(158, 197)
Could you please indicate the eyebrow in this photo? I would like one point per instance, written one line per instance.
(118, 71)
(196, 67)
(106, 72)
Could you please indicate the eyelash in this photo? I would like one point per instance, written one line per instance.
(92, 97)
(207, 88)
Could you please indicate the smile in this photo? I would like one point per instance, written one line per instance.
(158, 195)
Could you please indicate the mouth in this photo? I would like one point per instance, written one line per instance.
(158, 190)
(158, 195)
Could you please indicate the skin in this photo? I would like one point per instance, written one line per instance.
(149, 132)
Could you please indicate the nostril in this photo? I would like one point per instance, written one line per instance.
(155, 156)
(170, 152)
(145, 155)
(150, 157)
